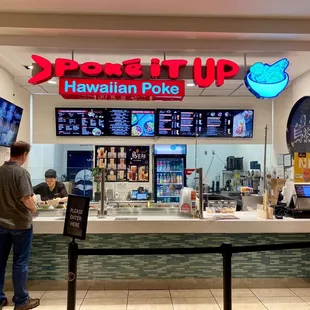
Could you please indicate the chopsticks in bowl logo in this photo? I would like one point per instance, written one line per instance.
(266, 81)
(142, 123)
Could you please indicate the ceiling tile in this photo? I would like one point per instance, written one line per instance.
(241, 93)
(193, 91)
(216, 92)
(51, 89)
(22, 80)
(35, 89)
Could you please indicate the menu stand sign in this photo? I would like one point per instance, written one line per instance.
(76, 217)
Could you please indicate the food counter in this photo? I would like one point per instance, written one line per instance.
(173, 223)
(149, 230)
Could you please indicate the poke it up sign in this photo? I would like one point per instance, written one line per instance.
(130, 80)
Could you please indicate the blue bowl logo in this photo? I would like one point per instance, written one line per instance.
(267, 81)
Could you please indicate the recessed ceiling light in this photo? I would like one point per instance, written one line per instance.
(29, 67)
(190, 84)
(52, 82)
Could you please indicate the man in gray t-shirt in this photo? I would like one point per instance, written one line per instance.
(16, 208)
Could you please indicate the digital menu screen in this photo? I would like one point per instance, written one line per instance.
(118, 122)
(142, 123)
(205, 123)
(80, 122)
(228, 123)
(130, 122)
(186, 123)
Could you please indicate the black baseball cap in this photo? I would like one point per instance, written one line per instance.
(50, 173)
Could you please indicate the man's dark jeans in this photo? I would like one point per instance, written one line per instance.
(21, 241)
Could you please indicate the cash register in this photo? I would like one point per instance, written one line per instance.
(302, 206)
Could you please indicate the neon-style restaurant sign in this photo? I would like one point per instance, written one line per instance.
(125, 80)
(130, 80)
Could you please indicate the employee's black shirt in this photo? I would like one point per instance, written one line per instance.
(43, 190)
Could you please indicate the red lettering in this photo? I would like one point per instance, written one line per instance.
(45, 74)
(155, 68)
(63, 65)
(210, 72)
(91, 68)
(113, 69)
(225, 69)
(174, 66)
(133, 67)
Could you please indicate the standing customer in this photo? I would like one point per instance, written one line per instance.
(16, 206)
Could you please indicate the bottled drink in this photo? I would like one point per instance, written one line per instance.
(159, 168)
(168, 178)
(168, 166)
(165, 166)
(164, 178)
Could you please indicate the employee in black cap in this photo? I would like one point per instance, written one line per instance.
(51, 189)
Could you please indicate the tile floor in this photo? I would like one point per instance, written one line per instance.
(203, 299)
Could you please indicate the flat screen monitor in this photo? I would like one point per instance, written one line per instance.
(142, 196)
(228, 124)
(205, 123)
(80, 122)
(179, 123)
(142, 123)
(302, 190)
(130, 122)
(10, 118)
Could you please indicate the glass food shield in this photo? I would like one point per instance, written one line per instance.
(266, 81)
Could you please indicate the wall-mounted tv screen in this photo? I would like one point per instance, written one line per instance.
(228, 124)
(10, 118)
(80, 122)
(205, 123)
(130, 122)
(142, 123)
(182, 123)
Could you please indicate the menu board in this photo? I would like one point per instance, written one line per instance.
(142, 123)
(80, 122)
(127, 122)
(228, 123)
(205, 123)
(138, 163)
(114, 159)
(118, 122)
(187, 123)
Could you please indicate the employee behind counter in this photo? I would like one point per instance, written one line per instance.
(51, 189)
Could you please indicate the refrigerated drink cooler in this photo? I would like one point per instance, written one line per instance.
(169, 172)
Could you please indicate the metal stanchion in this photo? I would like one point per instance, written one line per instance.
(227, 275)
(72, 270)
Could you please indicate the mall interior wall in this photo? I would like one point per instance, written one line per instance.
(12, 92)
(283, 106)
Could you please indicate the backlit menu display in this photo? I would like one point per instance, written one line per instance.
(130, 122)
(228, 123)
(205, 123)
(80, 122)
(186, 123)
(118, 122)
